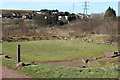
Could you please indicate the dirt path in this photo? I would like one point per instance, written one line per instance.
(72, 63)
(8, 73)
(76, 62)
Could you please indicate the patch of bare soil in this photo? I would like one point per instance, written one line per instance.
(8, 73)
(72, 63)
(108, 54)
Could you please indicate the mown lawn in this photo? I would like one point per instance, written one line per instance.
(50, 71)
(56, 50)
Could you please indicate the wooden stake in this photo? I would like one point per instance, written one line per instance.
(18, 53)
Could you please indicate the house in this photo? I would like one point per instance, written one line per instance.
(55, 11)
(19, 17)
(62, 17)
(38, 12)
(29, 15)
(0, 15)
(82, 16)
(45, 17)
(24, 17)
(8, 15)
(14, 15)
(18, 14)
(41, 11)
(3, 15)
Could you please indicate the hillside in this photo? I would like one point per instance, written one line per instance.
(10, 11)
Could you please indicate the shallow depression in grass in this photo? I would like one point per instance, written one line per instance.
(55, 50)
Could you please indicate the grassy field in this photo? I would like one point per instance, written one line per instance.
(56, 50)
(50, 71)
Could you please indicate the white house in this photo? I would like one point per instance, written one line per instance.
(45, 17)
(39, 12)
(82, 16)
(62, 17)
(0, 15)
(54, 12)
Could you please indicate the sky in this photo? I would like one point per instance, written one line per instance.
(95, 6)
(119, 8)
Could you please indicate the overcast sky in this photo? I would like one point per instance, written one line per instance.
(95, 6)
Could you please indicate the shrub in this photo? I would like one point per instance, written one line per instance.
(60, 22)
(40, 20)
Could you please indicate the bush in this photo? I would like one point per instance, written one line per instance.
(46, 20)
(72, 17)
(40, 20)
(60, 22)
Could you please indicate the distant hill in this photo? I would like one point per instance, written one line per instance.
(10, 11)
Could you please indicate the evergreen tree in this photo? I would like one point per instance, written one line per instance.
(110, 14)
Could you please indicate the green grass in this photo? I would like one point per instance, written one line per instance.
(50, 71)
(0, 48)
(107, 63)
(55, 50)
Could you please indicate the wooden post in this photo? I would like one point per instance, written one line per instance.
(18, 53)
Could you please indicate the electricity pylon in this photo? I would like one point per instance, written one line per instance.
(85, 9)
